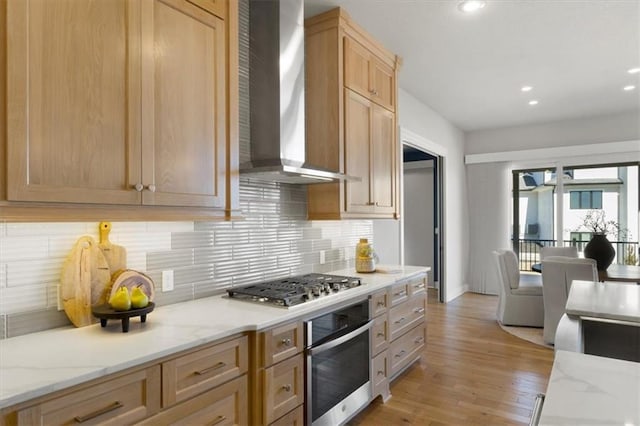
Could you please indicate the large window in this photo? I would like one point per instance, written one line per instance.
(552, 212)
(585, 200)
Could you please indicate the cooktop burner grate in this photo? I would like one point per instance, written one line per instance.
(294, 290)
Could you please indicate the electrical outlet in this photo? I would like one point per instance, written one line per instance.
(322, 257)
(167, 280)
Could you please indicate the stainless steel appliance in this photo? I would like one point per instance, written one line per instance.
(294, 290)
(337, 364)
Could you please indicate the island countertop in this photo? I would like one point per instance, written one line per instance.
(608, 300)
(40, 363)
(591, 390)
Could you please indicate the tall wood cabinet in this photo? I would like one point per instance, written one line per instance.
(351, 93)
(121, 102)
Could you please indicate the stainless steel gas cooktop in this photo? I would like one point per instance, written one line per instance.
(294, 290)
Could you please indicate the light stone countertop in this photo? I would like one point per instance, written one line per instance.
(608, 300)
(40, 363)
(591, 390)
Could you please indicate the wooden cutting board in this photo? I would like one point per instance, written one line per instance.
(83, 281)
(130, 279)
(116, 255)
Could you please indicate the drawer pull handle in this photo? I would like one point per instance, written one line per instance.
(400, 320)
(218, 419)
(286, 342)
(400, 293)
(418, 340)
(287, 388)
(381, 303)
(114, 406)
(401, 354)
(380, 334)
(380, 373)
(207, 370)
(421, 285)
(419, 310)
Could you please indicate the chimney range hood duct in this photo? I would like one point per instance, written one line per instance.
(276, 93)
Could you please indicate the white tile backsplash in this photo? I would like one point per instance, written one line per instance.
(273, 240)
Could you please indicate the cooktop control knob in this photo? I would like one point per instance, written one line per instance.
(336, 286)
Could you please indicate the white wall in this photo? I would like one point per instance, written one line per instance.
(425, 122)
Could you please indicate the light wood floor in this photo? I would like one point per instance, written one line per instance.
(471, 372)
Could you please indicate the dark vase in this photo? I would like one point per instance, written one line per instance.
(601, 250)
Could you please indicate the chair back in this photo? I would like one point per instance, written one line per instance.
(558, 251)
(508, 269)
(558, 272)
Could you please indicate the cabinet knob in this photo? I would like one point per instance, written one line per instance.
(151, 187)
(138, 187)
(373, 92)
(286, 342)
(286, 388)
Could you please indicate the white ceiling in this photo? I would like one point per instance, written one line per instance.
(470, 68)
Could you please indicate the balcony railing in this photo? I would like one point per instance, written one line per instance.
(529, 251)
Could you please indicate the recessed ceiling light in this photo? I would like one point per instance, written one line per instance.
(526, 88)
(633, 70)
(628, 88)
(469, 6)
(533, 102)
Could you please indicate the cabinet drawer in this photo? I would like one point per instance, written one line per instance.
(293, 418)
(224, 405)
(406, 349)
(379, 303)
(195, 372)
(123, 400)
(282, 342)
(399, 293)
(379, 334)
(283, 388)
(380, 374)
(417, 285)
(406, 316)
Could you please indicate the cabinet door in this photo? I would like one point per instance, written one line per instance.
(73, 101)
(183, 102)
(357, 126)
(383, 159)
(356, 67)
(382, 84)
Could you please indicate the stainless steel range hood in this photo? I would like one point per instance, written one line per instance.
(277, 105)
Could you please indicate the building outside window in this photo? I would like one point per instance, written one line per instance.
(585, 200)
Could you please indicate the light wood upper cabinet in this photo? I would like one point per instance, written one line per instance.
(350, 119)
(122, 102)
(367, 75)
(73, 101)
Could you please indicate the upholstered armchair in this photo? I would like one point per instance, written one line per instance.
(558, 251)
(520, 301)
(557, 274)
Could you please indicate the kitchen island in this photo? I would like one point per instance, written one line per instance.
(601, 319)
(38, 364)
(591, 390)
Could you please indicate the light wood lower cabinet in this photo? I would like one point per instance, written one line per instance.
(293, 418)
(283, 388)
(224, 405)
(123, 400)
(406, 349)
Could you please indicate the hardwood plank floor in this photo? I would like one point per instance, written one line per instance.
(471, 372)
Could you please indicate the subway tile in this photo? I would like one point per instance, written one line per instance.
(260, 207)
(146, 241)
(23, 247)
(263, 235)
(136, 260)
(211, 226)
(59, 246)
(171, 259)
(22, 299)
(192, 274)
(247, 252)
(208, 288)
(34, 321)
(230, 269)
(289, 234)
(45, 229)
(334, 255)
(34, 272)
(247, 278)
(290, 260)
(212, 255)
(178, 294)
(301, 270)
(266, 265)
(181, 240)
(3, 275)
(3, 229)
(311, 233)
(248, 223)
(301, 246)
(311, 258)
(3, 327)
(276, 248)
(169, 227)
(230, 237)
(317, 245)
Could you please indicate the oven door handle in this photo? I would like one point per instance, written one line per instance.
(340, 340)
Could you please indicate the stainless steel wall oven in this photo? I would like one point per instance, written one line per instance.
(338, 364)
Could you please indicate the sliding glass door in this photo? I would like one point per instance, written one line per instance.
(548, 211)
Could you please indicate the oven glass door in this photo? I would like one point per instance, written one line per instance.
(338, 371)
